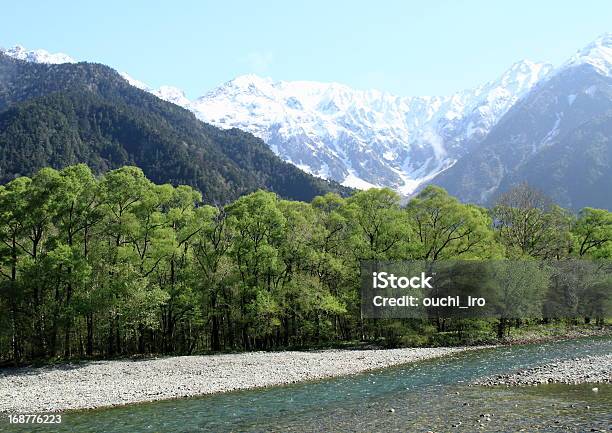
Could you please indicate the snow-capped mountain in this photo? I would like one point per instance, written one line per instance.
(557, 138)
(598, 54)
(362, 138)
(167, 93)
(36, 56)
(365, 138)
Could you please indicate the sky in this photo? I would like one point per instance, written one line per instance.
(403, 47)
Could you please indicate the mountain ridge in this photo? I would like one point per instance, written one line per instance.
(360, 137)
(61, 114)
(558, 138)
(369, 138)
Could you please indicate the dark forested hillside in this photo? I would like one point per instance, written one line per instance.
(57, 115)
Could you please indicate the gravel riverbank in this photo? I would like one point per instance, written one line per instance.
(590, 369)
(110, 383)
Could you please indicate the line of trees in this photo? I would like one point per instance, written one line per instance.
(117, 265)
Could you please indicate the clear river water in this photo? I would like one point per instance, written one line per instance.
(426, 396)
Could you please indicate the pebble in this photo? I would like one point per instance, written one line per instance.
(590, 369)
(95, 384)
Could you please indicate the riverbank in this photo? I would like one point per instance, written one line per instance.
(98, 384)
(589, 369)
(549, 333)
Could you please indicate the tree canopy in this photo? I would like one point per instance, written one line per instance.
(116, 264)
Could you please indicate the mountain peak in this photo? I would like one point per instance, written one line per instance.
(604, 40)
(597, 54)
(364, 137)
(524, 74)
(36, 56)
(250, 80)
(527, 65)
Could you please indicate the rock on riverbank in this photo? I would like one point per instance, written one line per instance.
(590, 369)
(111, 383)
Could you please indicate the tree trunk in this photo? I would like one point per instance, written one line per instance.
(90, 334)
(214, 330)
(501, 327)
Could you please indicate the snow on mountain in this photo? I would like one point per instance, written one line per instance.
(365, 138)
(134, 82)
(167, 93)
(557, 138)
(36, 56)
(597, 54)
(362, 138)
(172, 94)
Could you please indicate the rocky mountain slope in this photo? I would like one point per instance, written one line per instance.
(557, 138)
(362, 138)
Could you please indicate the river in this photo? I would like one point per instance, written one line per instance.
(425, 396)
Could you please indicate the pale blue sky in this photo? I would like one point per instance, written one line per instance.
(404, 47)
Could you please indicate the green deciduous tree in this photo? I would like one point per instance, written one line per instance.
(117, 265)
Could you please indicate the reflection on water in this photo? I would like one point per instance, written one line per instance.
(427, 396)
